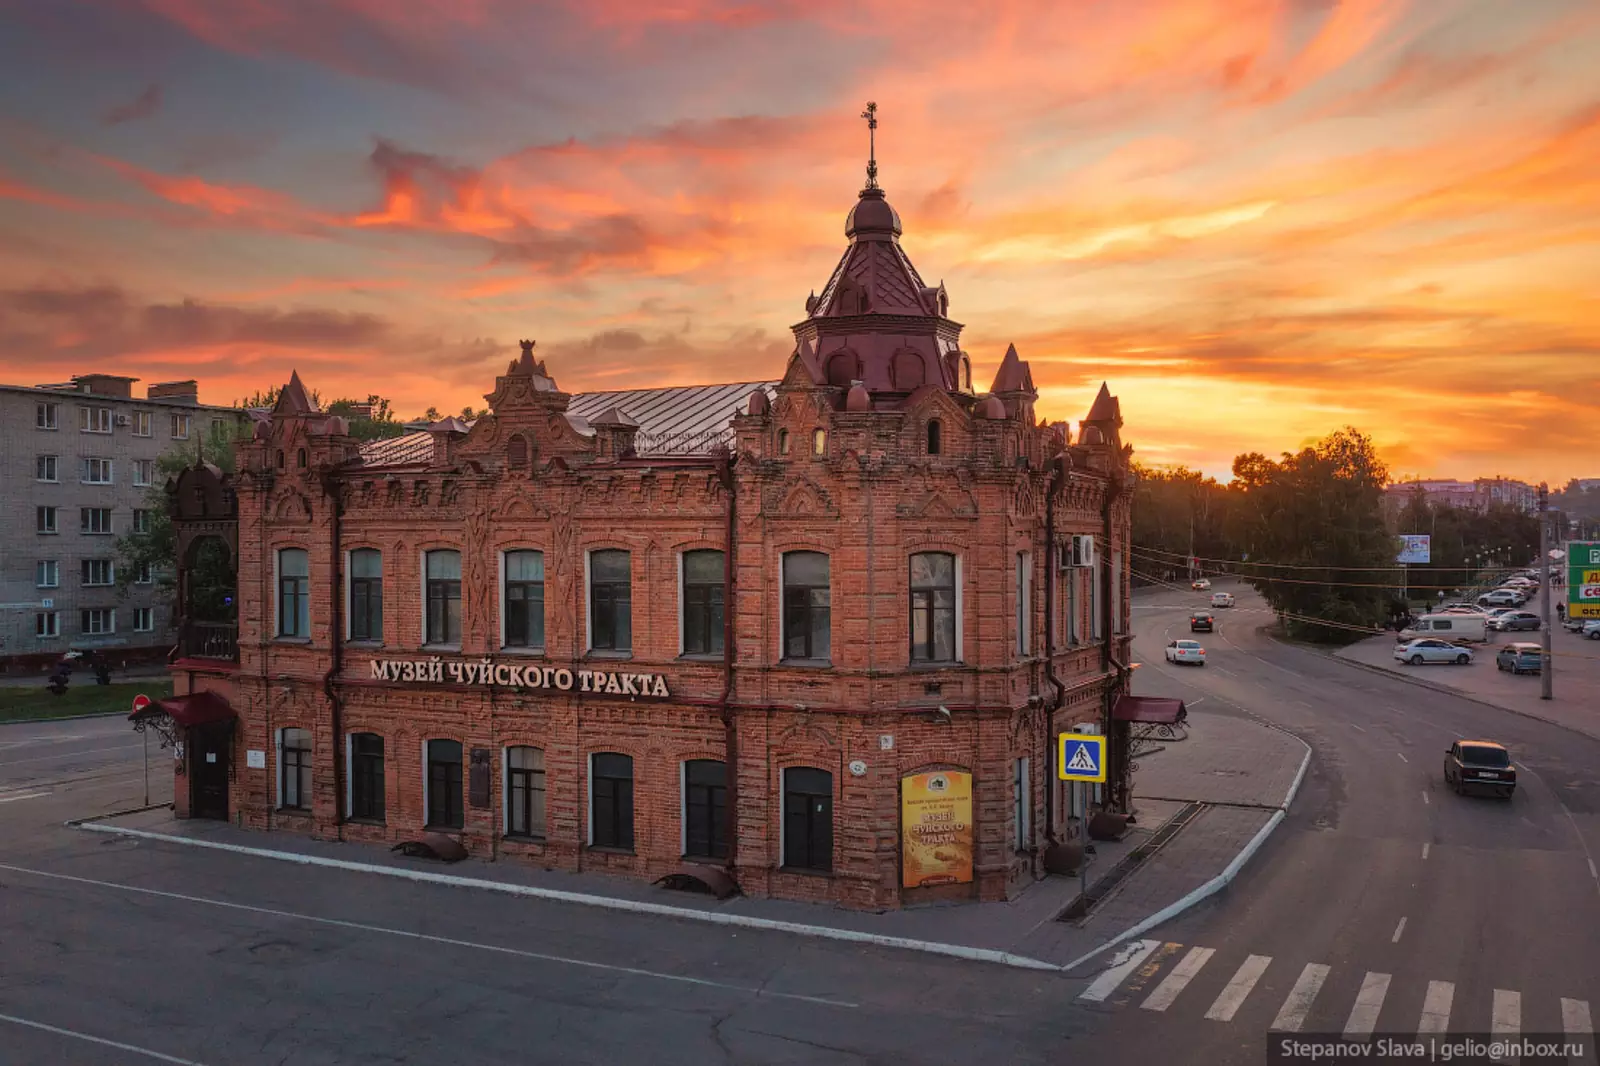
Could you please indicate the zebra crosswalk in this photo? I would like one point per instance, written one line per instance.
(1179, 972)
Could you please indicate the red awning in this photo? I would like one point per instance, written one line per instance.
(197, 708)
(1163, 710)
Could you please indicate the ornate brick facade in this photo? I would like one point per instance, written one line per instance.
(873, 447)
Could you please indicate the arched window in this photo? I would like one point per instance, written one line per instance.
(807, 818)
(705, 809)
(807, 606)
(610, 601)
(523, 600)
(935, 431)
(301, 458)
(366, 777)
(517, 452)
(819, 441)
(294, 598)
(280, 458)
(611, 800)
(443, 621)
(783, 442)
(443, 784)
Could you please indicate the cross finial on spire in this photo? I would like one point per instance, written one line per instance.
(871, 115)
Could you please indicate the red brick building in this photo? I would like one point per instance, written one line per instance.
(725, 626)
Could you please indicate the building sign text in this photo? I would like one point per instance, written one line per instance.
(435, 671)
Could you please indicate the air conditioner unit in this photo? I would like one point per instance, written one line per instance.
(1076, 551)
(122, 420)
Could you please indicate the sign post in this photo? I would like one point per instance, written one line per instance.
(140, 702)
(1414, 548)
(1081, 758)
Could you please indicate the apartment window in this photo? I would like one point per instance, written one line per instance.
(525, 792)
(94, 520)
(702, 602)
(45, 416)
(294, 769)
(144, 471)
(611, 807)
(98, 572)
(806, 628)
(444, 784)
(141, 520)
(610, 601)
(180, 427)
(1022, 799)
(143, 574)
(144, 620)
(933, 607)
(1024, 602)
(46, 468)
(98, 621)
(1074, 607)
(808, 818)
(47, 574)
(45, 519)
(366, 594)
(935, 435)
(141, 423)
(294, 593)
(366, 777)
(97, 471)
(94, 419)
(1097, 626)
(705, 809)
(47, 624)
(524, 599)
(444, 597)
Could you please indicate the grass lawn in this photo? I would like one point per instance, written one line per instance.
(83, 696)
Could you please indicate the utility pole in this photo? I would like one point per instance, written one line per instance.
(1546, 667)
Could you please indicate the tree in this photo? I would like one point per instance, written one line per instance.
(370, 419)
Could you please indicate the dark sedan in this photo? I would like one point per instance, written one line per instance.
(1480, 764)
(1515, 620)
(1202, 622)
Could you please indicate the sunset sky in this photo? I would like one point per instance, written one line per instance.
(1259, 220)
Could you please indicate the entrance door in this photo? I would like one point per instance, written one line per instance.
(208, 771)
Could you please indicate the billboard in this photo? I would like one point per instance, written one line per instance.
(1415, 548)
(1583, 579)
(936, 829)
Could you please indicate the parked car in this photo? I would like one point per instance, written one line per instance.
(1591, 629)
(1201, 584)
(1186, 651)
(1222, 599)
(1515, 620)
(1575, 625)
(1432, 650)
(1458, 606)
(1480, 764)
(1202, 622)
(1501, 598)
(1446, 626)
(1519, 657)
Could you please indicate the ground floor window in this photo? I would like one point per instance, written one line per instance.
(525, 792)
(366, 777)
(294, 787)
(611, 808)
(808, 818)
(444, 784)
(705, 809)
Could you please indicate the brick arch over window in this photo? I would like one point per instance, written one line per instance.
(843, 367)
(908, 370)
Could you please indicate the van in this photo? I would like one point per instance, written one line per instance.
(1446, 627)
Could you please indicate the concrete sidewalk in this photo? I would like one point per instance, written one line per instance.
(1258, 773)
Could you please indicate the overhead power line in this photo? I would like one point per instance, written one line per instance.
(1316, 581)
(1180, 557)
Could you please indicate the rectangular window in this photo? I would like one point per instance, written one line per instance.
(705, 809)
(366, 777)
(143, 573)
(141, 520)
(180, 427)
(97, 471)
(144, 620)
(1097, 624)
(443, 570)
(1024, 602)
(98, 621)
(933, 607)
(47, 468)
(141, 423)
(294, 767)
(1022, 797)
(294, 593)
(1117, 625)
(366, 594)
(45, 416)
(47, 624)
(610, 601)
(702, 602)
(45, 519)
(808, 819)
(94, 419)
(611, 811)
(144, 471)
(444, 784)
(98, 572)
(47, 574)
(525, 792)
(96, 520)
(806, 606)
(524, 599)
(1074, 607)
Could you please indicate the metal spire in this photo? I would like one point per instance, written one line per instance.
(871, 115)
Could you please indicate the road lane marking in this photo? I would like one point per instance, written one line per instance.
(1292, 1015)
(1178, 979)
(23, 796)
(1357, 728)
(1436, 1008)
(1425, 798)
(1127, 960)
(1233, 996)
(1592, 872)
(1575, 1018)
(68, 755)
(1142, 975)
(1220, 670)
(1506, 1022)
(102, 1041)
(1425, 850)
(1369, 1001)
(1397, 931)
(1402, 756)
(432, 939)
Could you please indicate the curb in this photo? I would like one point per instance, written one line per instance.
(62, 718)
(662, 910)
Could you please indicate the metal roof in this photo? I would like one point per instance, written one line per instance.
(398, 451)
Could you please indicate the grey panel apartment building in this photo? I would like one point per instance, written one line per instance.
(77, 462)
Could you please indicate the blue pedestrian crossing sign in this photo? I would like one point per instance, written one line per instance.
(1082, 757)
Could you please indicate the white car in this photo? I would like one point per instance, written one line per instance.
(1222, 599)
(1430, 650)
(1591, 628)
(1501, 598)
(1202, 584)
(1186, 651)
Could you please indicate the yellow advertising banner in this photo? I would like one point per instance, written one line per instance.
(936, 829)
(1584, 610)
